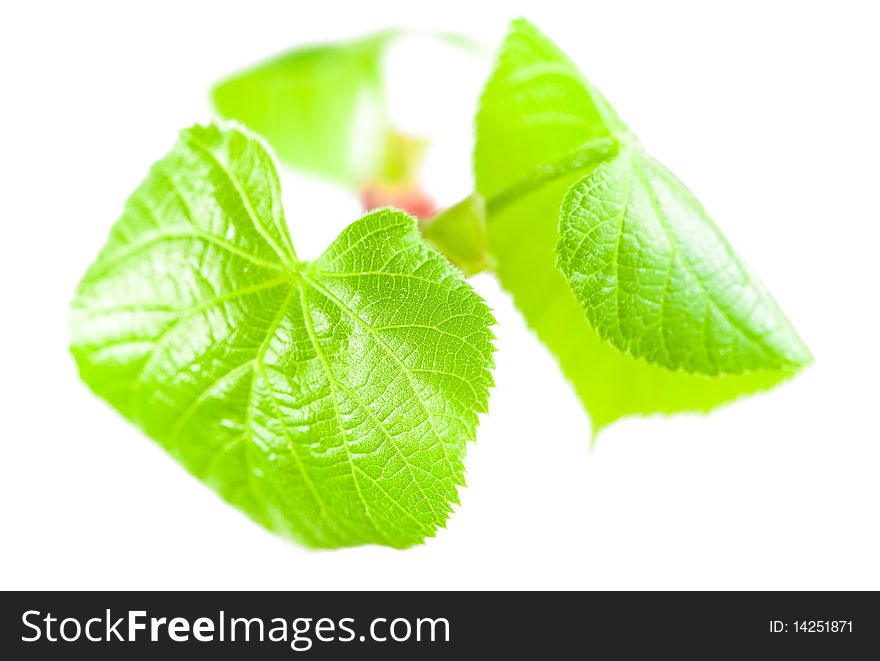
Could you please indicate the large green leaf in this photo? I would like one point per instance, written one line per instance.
(650, 310)
(330, 400)
(322, 108)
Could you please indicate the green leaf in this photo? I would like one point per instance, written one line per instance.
(649, 310)
(658, 280)
(332, 400)
(322, 108)
(537, 113)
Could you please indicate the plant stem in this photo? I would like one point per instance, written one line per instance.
(460, 232)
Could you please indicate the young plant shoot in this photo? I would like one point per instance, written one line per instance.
(332, 400)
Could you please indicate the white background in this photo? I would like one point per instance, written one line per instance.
(768, 110)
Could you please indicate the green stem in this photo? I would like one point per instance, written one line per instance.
(586, 156)
(460, 232)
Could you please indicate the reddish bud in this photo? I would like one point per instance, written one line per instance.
(409, 198)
